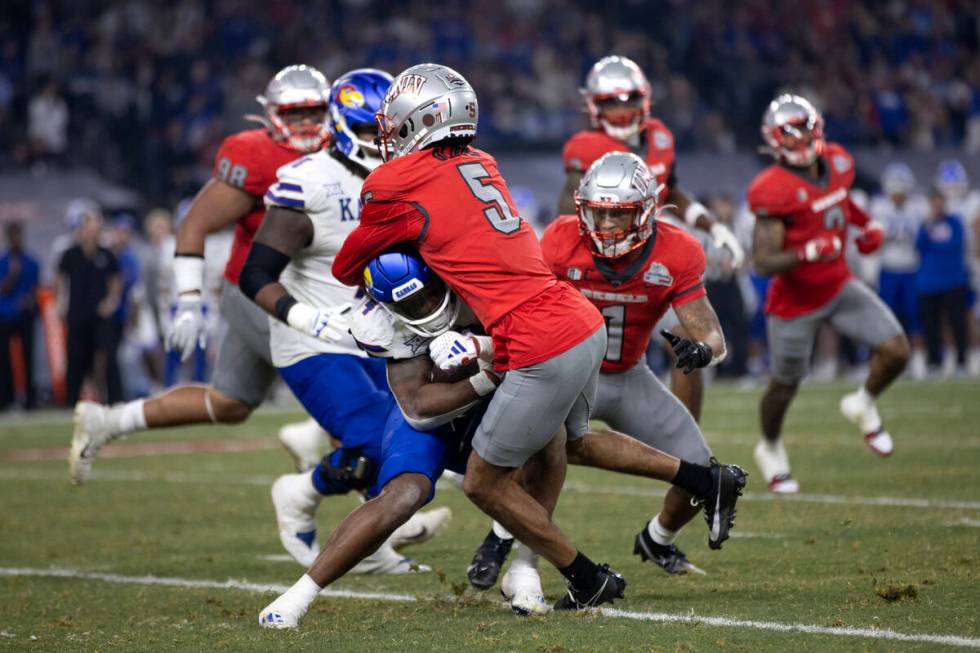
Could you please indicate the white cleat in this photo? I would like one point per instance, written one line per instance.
(388, 561)
(90, 434)
(774, 464)
(856, 407)
(279, 614)
(421, 527)
(295, 501)
(304, 441)
(521, 587)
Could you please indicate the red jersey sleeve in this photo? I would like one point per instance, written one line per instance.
(382, 225)
(237, 164)
(856, 215)
(767, 198)
(689, 282)
(555, 244)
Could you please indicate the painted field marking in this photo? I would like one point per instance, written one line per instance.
(140, 449)
(20, 474)
(659, 617)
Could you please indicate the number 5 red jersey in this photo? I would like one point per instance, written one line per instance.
(632, 294)
(454, 207)
(808, 208)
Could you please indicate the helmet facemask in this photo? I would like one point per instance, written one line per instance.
(793, 129)
(428, 310)
(613, 228)
(303, 127)
(621, 115)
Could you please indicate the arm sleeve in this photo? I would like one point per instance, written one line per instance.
(856, 215)
(382, 225)
(689, 284)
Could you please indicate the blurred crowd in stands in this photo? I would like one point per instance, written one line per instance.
(144, 91)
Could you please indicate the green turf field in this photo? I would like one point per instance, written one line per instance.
(886, 545)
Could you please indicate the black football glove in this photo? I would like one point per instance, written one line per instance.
(690, 355)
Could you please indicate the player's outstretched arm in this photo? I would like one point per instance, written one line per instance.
(419, 397)
(701, 323)
(697, 215)
(767, 247)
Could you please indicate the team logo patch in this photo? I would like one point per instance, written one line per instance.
(841, 163)
(574, 274)
(661, 140)
(408, 288)
(333, 189)
(801, 194)
(658, 275)
(350, 97)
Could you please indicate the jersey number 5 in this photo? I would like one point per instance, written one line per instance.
(497, 212)
(615, 325)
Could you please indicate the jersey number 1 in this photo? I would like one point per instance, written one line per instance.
(615, 326)
(498, 212)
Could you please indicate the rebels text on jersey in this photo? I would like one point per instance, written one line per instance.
(453, 205)
(632, 295)
(586, 147)
(248, 161)
(808, 208)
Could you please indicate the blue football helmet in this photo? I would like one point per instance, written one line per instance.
(355, 98)
(408, 289)
(951, 178)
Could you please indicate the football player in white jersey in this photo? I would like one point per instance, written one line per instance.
(901, 211)
(311, 208)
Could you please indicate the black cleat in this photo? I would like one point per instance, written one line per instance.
(727, 482)
(608, 585)
(667, 557)
(487, 561)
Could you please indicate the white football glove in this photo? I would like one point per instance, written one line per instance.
(452, 350)
(724, 237)
(327, 324)
(187, 330)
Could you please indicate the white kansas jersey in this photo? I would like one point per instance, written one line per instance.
(379, 334)
(901, 225)
(329, 193)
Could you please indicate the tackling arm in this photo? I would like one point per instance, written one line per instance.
(421, 399)
(285, 232)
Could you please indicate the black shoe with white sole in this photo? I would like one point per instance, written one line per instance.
(606, 587)
(727, 482)
(666, 556)
(487, 561)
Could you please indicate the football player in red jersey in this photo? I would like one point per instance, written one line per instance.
(633, 267)
(617, 99)
(803, 210)
(295, 104)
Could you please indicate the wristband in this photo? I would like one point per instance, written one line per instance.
(300, 316)
(484, 347)
(693, 212)
(188, 273)
(482, 383)
(283, 304)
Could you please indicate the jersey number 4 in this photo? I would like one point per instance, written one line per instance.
(498, 211)
(615, 326)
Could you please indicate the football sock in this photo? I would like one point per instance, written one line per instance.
(582, 572)
(696, 479)
(525, 557)
(659, 534)
(301, 595)
(126, 418)
(502, 532)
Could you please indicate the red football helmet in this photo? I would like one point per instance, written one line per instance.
(793, 128)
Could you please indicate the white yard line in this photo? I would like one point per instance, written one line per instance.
(21, 474)
(659, 617)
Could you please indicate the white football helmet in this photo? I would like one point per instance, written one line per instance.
(616, 203)
(296, 87)
(425, 104)
(617, 97)
(793, 128)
